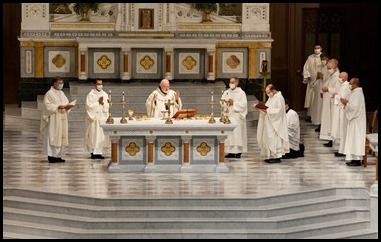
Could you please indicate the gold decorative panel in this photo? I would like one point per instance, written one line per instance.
(203, 149)
(168, 149)
(132, 148)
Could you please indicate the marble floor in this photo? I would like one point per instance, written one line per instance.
(24, 166)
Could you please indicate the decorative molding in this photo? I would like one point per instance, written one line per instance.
(223, 27)
(197, 35)
(37, 33)
(149, 35)
(67, 34)
(105, 26)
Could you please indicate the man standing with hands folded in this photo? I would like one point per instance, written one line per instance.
(97, 107)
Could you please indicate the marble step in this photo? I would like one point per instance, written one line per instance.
(202, 202)
(10, 235)
(354, 234)
(182, 211)
(284, 221)
(184, 233)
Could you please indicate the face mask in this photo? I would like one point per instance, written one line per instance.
(331, 71)
(317, 51)
(270, 94)
(351, 87)
(99, 87)
(232, 86)
(60, 86)
(341, 80)
(324, 62)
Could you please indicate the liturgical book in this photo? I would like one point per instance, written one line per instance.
(185, 113)
(261, 105)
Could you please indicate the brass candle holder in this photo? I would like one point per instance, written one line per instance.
(109, 120)
(212, 120)
(169, 104)
(222, 118)
(123, 120)
(226, 115)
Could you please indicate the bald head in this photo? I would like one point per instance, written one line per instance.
(343, 75)
(164, 85)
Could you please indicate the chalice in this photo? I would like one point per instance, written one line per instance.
(130, 114)
(164, 114)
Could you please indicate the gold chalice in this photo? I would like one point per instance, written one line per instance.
(130, 114)
(164, 114)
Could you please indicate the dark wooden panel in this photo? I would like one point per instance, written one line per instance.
(11, 51)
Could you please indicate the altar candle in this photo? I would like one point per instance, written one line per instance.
(212, 97)
(109, 95)
(123, 97)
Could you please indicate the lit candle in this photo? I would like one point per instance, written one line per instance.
(123, 97)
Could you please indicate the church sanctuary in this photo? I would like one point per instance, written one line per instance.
(172, 120)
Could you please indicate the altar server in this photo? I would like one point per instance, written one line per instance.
(97, 107)
(272, 132)
(355, 112)
(54, 122)
(236, 143)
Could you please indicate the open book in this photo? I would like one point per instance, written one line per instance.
(185, 113)
(261, 105)
(72, 104)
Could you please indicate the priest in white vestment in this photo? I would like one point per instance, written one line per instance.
(317, 99)
(310, 69)
(97, 107)
(355, 112)
(54, 122)
(236, 143)
(272, 131)
(293, 127)
(157, 101)
(339, 121)
(331, 86)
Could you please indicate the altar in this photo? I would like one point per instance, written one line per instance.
(151, 145)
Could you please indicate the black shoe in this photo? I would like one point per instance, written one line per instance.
(238, 155)
(317, 129)
(354, 163)
(99, 157)
(59, 159)
(52, 159)
(339, 154)
(93, 156)
(286, 156)
(230, 155)
(272, 161)
(329, 144)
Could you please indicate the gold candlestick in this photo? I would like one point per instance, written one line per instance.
(109, 120)
(169, 104)
(212, 120)
(123, 120)
(226, 115)
(222, 111)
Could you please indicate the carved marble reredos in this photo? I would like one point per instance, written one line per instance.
(123, 17)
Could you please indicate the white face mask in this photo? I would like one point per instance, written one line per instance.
(350, 87)
(270, 94)
(324, 62)
(232, 86)
(60, 86)
(317, 51)
(341, 80)
(331, 71)
(99, 87)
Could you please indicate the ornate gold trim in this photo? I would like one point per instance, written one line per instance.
(255, 45)
(235, 27)
(156, 35)
(82, 25)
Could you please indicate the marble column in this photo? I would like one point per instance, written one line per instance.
(186, 146)
(169, 64)
(82, 64)
(221, 167)
(210, 67)
(114, 149)
(150, 149)
(126, 67)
